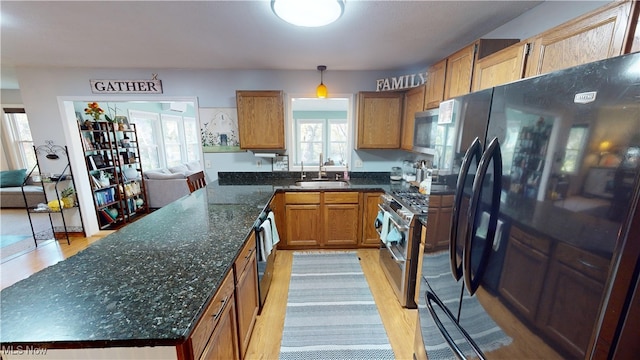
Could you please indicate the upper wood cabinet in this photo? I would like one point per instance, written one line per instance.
(434, 93)
(379, 120)
(460, 64)
(413, 102)
(597, 35)
(502, 67)
(260, 119)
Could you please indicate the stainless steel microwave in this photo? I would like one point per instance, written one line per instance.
(425, 131)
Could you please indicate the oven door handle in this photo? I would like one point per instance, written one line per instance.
(431, 299)
(393, 254)
(400, 227)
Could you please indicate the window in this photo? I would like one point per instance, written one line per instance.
(165, 140)
(573, 150)
(19, 135)
(147, 128)
(320, 126)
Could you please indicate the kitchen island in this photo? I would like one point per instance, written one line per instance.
(139, 292)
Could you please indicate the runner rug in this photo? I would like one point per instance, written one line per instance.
(331, 313)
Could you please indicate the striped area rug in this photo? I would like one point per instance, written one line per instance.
(331, 313)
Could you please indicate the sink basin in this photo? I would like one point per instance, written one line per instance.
(322, 184)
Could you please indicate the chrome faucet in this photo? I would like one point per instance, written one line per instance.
(321, 173)
(302, 174)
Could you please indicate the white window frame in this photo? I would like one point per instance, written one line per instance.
(17, 149)
(155, 121)
(579, 152)
(165, 119)
(292, 135)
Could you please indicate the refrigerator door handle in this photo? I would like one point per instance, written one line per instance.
(472, 281)
(473, 152)
(431, 299)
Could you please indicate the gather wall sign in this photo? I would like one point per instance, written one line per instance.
(153, 86)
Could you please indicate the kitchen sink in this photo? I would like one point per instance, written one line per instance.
(322, 184)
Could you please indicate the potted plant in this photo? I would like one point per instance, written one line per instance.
(67, 197)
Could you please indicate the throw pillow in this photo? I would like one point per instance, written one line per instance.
(179, 169)
(194, 166)
(12, 178)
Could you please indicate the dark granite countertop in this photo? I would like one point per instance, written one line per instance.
(149, 282)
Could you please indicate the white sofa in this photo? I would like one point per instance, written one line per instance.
(166, 185)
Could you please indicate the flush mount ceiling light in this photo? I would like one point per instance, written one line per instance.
(308, 13)
(321, 91)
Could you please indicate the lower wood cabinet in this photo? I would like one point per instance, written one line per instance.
(438, 222)
(247, 297)
(322, 219)
(216, 335)
(341, 219)
(302, 217)
(370, 237)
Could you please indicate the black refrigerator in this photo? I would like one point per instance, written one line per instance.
(544, 197)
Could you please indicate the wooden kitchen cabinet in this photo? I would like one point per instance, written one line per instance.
(460, 64)
(302, 212)
(370, 237)
(341, 219)
(434, 93)
(246, 296)
(215, 336)
(597, 35)
(261, 119)
(438, 222)
(572, 294)
(524, 270)
(379, 120)
(413, 102)
(502, 67)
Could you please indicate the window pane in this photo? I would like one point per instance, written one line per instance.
(26, 150)
(190, 130)
(23, 133)
(172, 153)
(171, 131)
(575, 141)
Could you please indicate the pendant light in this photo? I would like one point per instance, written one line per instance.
(308, 13)
(321, 91)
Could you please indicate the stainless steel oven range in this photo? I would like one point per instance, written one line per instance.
(400, 230)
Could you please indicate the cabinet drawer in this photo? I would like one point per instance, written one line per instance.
(245, 255)
(538, 243)
(341, 197)
(302, 198)
(209, 319)
(585, 262)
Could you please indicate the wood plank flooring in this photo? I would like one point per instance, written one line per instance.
(267, 334)
(399, 322)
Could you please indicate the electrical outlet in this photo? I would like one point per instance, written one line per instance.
(359, 163)
(207, 164)
(259, 163)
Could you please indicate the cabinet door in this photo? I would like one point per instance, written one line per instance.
(413, 102)
(223, 343)
(459, 71)
(444, 226)
(341, 224)
(523, 276)
(260, 119)
(594, 36)
(303, 225)
(379, 120)
(370, 237)
(247, 302)
(434, 93)
(502, 67)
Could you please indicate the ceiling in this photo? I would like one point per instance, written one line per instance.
(184, 34)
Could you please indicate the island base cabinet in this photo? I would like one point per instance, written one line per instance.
(215, 336)
(245, 270)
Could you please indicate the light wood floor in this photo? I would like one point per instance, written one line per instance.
(399, 322)
(265, 340)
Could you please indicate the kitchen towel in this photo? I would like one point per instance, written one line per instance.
(266, 240)
(274, 229)
(385, 226)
